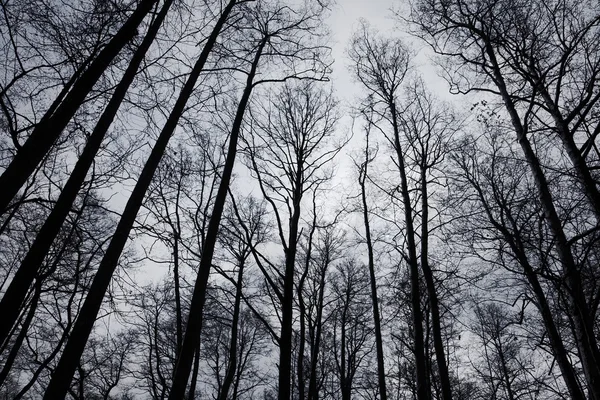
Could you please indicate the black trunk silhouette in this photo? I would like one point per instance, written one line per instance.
(63, 374)
(23, 279)
(46, 133)
(191, 338)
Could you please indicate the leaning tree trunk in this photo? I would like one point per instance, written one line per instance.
(556, 343)
(578, 307)
(39, 143)
(23, 279)
(63, 374)
(194, 324)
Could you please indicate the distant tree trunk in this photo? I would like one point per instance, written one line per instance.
(45, 134)
(285, 342)
(21, 282)
(195, 371)
(194, 323)
(423, 391)
(65, 369)
(232, 361)
(371, 259)
(432, 290)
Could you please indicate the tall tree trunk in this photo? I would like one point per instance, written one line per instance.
(285, 342)
(39, 143)
(371, 259)
(65, 369)
(194, 323)
(436, 324)
(579, 310)
(17, 290)
(556, 343)
(422, 381)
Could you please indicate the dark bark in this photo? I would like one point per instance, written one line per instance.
(12, 355)
(422, 381)
(192, 333)
(556, 343)
(285, 341)
(23, 279)
(578, 307)
(39, 143)
(371, 259)
(65, 369)
(436, 324)
(232, 361)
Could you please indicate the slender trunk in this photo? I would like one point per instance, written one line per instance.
(302, 339)
(17, 290)
(83, 326)
(47, 132)
(302, 306)
(436, 324)
(232, 363)
(423, 392)
(313, 391)
(14, 351)
(285, 342)
(584, 334)
(178, 316)
(505, 376)
(194, 324)
(195, 371)
(376, 317)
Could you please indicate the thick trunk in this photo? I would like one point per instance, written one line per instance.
(373, 278)
(23, 279)
(581, 168)
(579, 310)
(65, 369)
(194, 324)
(45, 134)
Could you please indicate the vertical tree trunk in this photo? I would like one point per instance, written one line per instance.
(65, 369)
(232, 362)
(436, 324)
(423, 392)
(371, 259)
(21, 282)
(194, 325)
(285, 342)
(45, 134)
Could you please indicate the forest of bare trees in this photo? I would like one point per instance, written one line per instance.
(190, 210)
